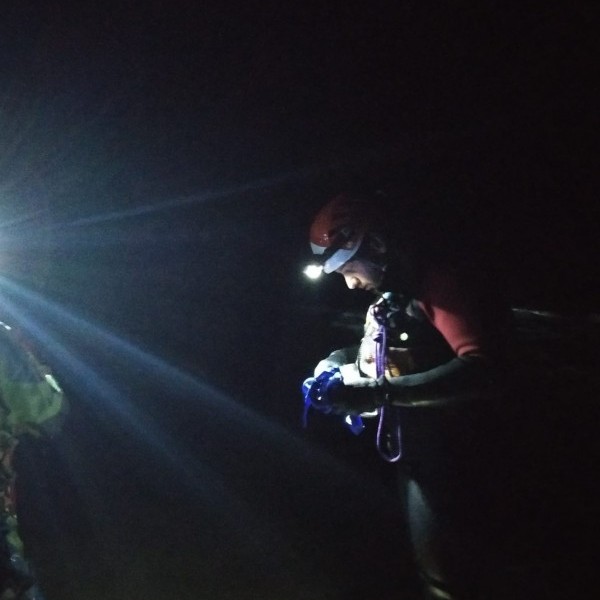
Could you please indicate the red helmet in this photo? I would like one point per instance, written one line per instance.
(338, 231)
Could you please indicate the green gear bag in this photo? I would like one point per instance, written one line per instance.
(31, 401)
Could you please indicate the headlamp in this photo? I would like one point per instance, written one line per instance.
(313, 271)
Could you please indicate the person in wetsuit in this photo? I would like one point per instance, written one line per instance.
(445, 340)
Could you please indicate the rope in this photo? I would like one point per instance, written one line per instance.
(389, 423)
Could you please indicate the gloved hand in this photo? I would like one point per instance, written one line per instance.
(343, 390)
(355, 400)
(352, 376)
(336, 359)
(317, 390)
(357, 394)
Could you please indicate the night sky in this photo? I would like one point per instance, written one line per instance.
(160, 163)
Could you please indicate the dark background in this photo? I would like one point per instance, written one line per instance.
(160, 165)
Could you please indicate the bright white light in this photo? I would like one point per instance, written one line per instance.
(53, 383)
(404, 336)
(313, 271)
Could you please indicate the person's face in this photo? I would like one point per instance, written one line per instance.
(361, 274)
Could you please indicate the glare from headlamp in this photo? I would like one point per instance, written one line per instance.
(313, 271)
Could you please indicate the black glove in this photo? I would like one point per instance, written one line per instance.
(355, 400)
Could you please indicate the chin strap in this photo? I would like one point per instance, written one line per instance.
(389, 434)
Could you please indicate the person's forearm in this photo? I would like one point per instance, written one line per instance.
(461, 376)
